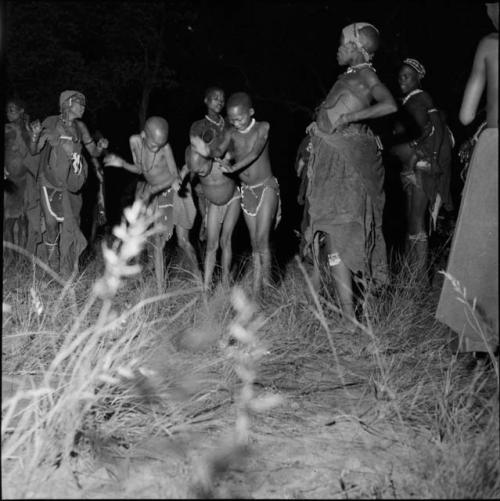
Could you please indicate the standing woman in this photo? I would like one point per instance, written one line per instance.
(473, 260)
(345, 173)
(426, 158)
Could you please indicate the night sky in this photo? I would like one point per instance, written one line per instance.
(282, 53)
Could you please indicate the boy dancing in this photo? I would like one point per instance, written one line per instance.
(153, 158)
(248, 143)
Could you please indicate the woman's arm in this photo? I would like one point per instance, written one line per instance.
(384, 102)
(475, 85)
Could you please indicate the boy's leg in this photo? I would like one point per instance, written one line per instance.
(185, 245)
(213, 232)
(264, 222)
(230, 220)
(159, 261)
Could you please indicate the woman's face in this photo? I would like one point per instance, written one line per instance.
(345, 52)
(408, 79)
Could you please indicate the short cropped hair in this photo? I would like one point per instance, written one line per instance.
(239, 99)
(210, 90)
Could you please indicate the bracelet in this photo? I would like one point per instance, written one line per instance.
(34, 138)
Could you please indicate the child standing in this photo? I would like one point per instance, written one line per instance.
(153, 158)
(248, 143)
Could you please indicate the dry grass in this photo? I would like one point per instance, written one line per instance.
(116, 366)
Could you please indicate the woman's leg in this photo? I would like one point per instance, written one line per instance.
(343, 279)
(417, 243)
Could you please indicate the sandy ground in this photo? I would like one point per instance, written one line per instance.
(330, 441)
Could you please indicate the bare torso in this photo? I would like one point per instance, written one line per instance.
(217, 187)
(154, 166)
(348, 94)
(242, 145)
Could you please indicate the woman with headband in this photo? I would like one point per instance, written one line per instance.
(345, 173)
(426, 158)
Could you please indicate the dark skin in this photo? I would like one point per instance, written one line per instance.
(71, 112)
(153, 158)
(343, 106)
(248, 143)
(417, 107)
(218, 189)
(15, 170)
(212, 125)
(484, 74)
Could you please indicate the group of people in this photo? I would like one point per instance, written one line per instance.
(229, 164)
(228, 171)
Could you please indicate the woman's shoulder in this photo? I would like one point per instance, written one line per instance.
(421, 100)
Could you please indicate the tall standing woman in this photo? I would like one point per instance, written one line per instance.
(473, 257)
(345, 172)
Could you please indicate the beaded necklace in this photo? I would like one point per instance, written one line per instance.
(220, 123)
(412, 93)
(359, 66)
(244, 131)
(142, 162)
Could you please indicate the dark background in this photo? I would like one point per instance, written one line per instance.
(141, 58)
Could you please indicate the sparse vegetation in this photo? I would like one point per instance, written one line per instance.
(111, 390)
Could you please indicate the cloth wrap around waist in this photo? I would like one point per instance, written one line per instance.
(346, 199)
(174, 210)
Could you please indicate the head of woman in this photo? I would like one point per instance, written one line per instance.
(358, 44)
(410, 75)
(14, 110)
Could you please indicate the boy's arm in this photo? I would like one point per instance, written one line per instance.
(254, 153)
(475, 84)
(173, 180)
(112, 160)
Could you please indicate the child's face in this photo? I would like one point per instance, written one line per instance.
(215, 101)
(407, 79)
(240, 116)
(13, 112)
(154, 141)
